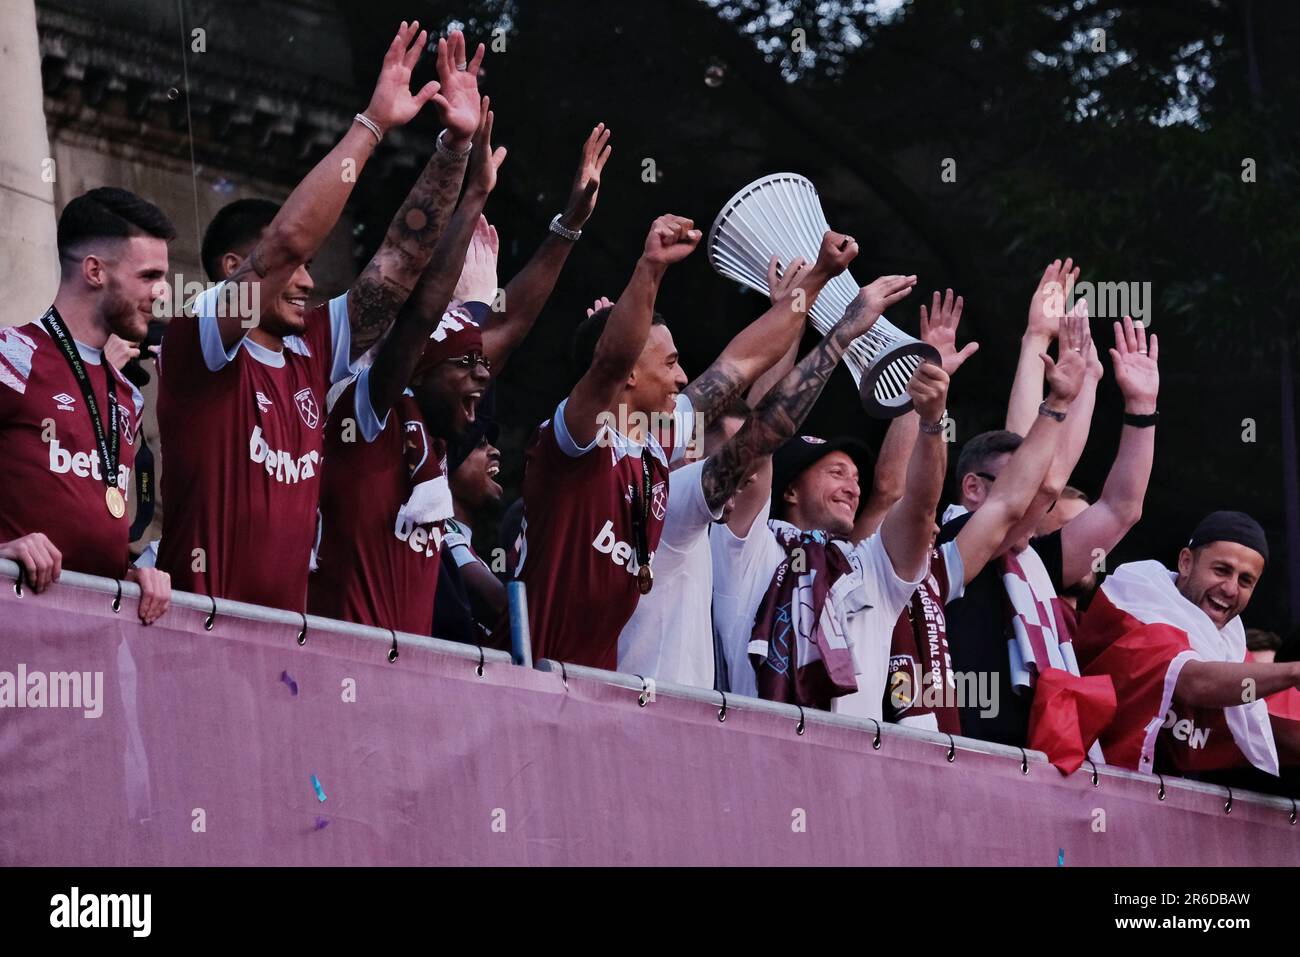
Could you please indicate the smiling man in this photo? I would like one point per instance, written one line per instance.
(241, 402)
(1174, 645)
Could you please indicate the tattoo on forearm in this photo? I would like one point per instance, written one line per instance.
(775, 421)
(423, 215)
(714, 388)
(386, 282)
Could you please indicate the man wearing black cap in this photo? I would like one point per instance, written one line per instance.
(822, 603)
(1174, 646)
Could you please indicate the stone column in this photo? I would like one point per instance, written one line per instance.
(28, 258)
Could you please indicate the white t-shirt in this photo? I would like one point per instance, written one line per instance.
(670, 635)
(742, 572)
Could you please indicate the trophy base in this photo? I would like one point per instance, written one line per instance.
(883, 388)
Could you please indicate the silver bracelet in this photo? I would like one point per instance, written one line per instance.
(564, 232)
(932, 428)
(371, 125)
(448, 151)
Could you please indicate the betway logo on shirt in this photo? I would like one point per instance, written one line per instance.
(281, 465)
(421, 540)
(621, 553)
(1183, 730)
(82, 464)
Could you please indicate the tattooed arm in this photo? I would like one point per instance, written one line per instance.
(527, 292)
(400, 353)
(784, 408)
(385, 284)
(760, 345)
(316, 203)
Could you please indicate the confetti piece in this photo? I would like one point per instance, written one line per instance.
(1060, 857)
(321, 823)
(293, 685)
(320, 791)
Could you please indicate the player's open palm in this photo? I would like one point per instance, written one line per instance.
(939, 329)
(1065, 375)
(1136, 371)
(457, 101)
(393, 104)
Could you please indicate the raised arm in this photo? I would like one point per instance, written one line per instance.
(1074, 437)
(986, 532)
(385, 284)
(784, 408)
(314, 206)
(906, 530)
(1046, 309)
(527, 292)
(1104, 523)
(400, 353)
(762, 343)
(671, 239)
(939, 329)
(779, 283)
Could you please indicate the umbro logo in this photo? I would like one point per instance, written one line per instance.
(65, 402)
(263, 403)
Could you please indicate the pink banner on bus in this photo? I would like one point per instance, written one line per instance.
(174, 744)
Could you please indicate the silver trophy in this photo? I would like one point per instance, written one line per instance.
(781, 215)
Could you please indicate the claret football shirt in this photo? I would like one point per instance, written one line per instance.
(242, 432)
(50, 467)
(373, 566)
(577, 554)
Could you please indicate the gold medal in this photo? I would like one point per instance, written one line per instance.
(115, 501)
(645, 579)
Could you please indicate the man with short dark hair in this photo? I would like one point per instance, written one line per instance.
(1173, 644)
(68, 418)
(241, 397)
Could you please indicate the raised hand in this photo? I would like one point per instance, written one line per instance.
(781, 280)
(939, 329)
(1048, 304)
(485, 161)
(393, 104)
(604, 302)
(1136, 371)
(672, 239)
(886, 291)
(478, 280)
(872, 300)
(457, 101)
(1065, 375)
(586, 183)
(928, 388)
(833, 257)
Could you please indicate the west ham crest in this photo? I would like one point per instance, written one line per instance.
(305, 400)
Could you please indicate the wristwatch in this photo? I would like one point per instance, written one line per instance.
(564, 232)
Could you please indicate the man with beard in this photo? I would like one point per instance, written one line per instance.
(68, 418)
(1173, 644)
(384, 493)
(240, 398)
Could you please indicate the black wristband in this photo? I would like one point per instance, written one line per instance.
(1141, 421)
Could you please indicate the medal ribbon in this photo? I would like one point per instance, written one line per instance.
(107, 445)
